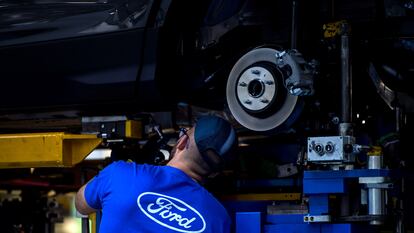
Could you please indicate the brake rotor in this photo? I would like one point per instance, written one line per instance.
(255, 91)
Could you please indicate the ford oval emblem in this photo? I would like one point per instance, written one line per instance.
(171, 212)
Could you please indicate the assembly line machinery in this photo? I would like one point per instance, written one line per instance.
(339, 192)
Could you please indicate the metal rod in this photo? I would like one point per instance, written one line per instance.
(85, 221)
(374, 162)
(85, 225)
(294, 32)
(400, 224)
(346, 87)
(375, 203)
(398, 119)
(376, 196)
(332, 7)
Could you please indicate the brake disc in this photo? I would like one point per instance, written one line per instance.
(256, 95)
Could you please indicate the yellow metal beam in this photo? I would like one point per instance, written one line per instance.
(133, 129)
(94, 224)
(45, 149)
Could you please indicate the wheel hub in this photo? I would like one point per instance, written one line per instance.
(256, 88)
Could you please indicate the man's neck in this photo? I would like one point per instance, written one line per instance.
(183, 167)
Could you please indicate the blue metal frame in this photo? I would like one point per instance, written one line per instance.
(251, 222)
(248, 222)
(333, 182)
(317, 186)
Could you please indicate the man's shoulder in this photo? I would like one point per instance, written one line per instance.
(121, 169)
(129, 168)
(122, 165)
(117, 166)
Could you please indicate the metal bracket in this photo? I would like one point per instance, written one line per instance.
(379, 186)
(316, 218)
(373, 180)
(331, 150)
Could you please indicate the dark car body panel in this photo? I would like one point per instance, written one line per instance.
(45, 20)
(57, 53)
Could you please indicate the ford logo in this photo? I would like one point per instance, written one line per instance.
(171, 212)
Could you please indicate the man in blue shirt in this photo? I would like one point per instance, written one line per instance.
(146, 198)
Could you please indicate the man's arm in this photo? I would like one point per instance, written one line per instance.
(81, 204)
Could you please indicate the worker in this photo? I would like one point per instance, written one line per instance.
(147, 198)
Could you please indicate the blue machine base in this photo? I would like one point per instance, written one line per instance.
(318, 228)
(317, 186)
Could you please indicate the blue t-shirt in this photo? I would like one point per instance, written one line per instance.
(145, 198)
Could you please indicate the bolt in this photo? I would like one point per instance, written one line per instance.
(269, 82)
(279, 58)
(243, 84)
(329, 147)
(311, 219)
(281, 54)
(319, 149)
(306, 219)
(335, 120)
(264, 101)
(295, 91)
(248, 102)
(256, 72)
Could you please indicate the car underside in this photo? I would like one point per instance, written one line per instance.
(70, 60)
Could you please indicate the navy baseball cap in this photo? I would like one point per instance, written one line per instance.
(215, 134)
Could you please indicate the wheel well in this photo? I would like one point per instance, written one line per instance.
(205, 42)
